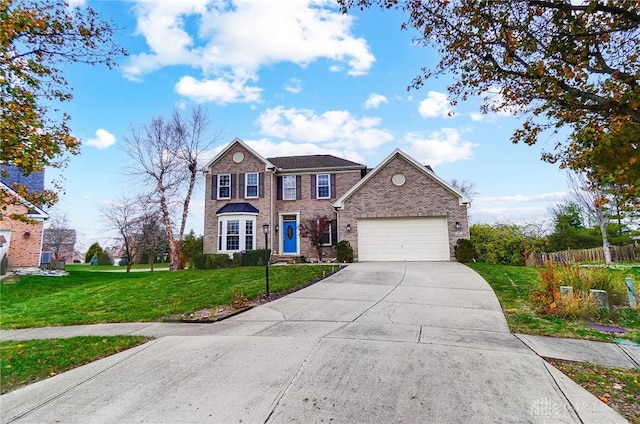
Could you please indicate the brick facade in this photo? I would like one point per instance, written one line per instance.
(224, 165)
(26, 238)
(422, 195)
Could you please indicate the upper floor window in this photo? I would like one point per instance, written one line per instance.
(251, 185)
(224, 186)
(323, 186)
(289, 187)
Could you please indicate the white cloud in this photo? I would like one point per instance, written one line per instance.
(517, 198)
(375, 100)
(293, 86)
(233, 39)
(334, 128)
(494, 99)
(103, 140)
(435, 105)
(439, 147)
(218, 90)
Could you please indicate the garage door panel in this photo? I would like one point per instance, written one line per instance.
(400, 239)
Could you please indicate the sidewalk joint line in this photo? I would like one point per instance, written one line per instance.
(295, 377)
(78, 384)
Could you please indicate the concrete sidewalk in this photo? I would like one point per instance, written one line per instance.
(392, 342)
(601, 353)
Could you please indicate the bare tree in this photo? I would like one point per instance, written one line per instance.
(59, 238)
(465, 187)
(316, 230)
(151, 239)
(165, 155)
(123, 216)
(592, 199)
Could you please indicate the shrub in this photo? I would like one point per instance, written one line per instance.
(254, 257)
(547, 299)
(344, 251)
(220, 260)
(105, 259)
(464, 251)
(199, 260)
(238, 299)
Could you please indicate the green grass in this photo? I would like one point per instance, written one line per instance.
(26, 362)
(88, 267)
(617, 387)
(89, 297)
(513, 286)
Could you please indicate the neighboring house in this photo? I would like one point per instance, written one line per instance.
(60, 242)
(398, 211)
(22, 240)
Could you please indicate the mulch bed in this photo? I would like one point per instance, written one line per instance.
(219, 313)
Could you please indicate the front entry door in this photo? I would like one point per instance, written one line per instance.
(289, 237)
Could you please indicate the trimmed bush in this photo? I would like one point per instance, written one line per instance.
(105, 259)
(222, 260)
(199, 260)
(464, 251)
(344, 251)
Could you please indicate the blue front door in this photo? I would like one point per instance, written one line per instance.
(289, 237)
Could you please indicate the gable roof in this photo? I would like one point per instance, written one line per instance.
(339, 204)
(34, 211)
(10, 174)
(313, 162)
(234, 143)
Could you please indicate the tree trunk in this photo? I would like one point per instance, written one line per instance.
(605, 239)
(174, 253)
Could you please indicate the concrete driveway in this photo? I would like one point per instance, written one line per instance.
(374, 343)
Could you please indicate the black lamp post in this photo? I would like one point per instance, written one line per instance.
(265, 229)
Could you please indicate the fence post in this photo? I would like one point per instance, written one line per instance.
(631, 292)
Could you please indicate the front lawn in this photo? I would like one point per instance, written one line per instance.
(26, 362)
(513, 286)
(89, 297)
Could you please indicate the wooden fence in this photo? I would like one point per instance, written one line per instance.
(618, 253)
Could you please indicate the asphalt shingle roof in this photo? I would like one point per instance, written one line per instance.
(313, 162)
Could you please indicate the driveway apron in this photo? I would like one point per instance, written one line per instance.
(375, 343)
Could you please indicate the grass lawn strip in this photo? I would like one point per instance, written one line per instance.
(25, 362)
(513, 286)
(86, 297)
(617, 387)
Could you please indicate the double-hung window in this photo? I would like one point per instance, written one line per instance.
(251, 185)
(323, 186)
(248, 235)
(236, 233)
(326, 237)
(233, 235)
(289, 187)
(224, 186)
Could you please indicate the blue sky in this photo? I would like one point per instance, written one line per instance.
(299, 78)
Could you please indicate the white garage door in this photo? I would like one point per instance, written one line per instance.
(403, 239)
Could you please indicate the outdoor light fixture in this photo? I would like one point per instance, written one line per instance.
(265, 229)
(27, 234)
(458, 226)
(277, 228)
(348, 227)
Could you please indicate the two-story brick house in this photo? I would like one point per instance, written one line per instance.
(400, 210)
